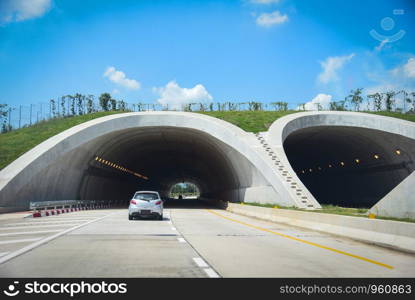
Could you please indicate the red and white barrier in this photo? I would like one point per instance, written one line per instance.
(58, 211)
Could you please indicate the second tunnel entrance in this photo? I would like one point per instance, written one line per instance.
(349, 166)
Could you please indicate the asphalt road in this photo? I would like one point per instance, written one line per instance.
(189, 242)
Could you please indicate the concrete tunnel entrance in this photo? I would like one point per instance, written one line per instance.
(112, 157)
(165, 155)
(349, 166)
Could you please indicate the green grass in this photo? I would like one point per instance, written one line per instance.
(334, 209)
(407, 117)
(251, 121)
(397, 219)
(15, 143)
(256, 121)
(346, 211)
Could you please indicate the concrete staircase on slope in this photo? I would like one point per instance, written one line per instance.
(296, 189)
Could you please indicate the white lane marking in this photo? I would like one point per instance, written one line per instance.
(38, 226)
(46, 240)
(181, 240)
(28, 232)
(19, 241)
(43, 222)
(50, 219)
(200, 262)
(211, 273)
(173, 228)
(3, 253)
(168, 216)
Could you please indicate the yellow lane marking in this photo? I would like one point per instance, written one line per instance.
(303, 241)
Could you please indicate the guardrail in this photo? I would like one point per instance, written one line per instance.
(69, 204)
(47, 208)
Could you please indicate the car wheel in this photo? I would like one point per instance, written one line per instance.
(130, 217)
(161, 217)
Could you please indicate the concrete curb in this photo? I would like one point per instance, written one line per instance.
(391, 234)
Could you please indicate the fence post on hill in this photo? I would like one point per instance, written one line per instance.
(30, 122)
(20, 115)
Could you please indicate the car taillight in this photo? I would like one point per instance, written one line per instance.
(158, 202)
(133, 202)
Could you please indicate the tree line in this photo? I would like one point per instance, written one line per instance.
(386, 101)
(80, 104)
(186, 188)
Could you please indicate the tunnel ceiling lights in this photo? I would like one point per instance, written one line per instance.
(356, 160)
(115, 166)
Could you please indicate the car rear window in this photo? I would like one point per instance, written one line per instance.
(146, 196)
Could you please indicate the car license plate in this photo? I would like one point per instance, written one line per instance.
(145, 211)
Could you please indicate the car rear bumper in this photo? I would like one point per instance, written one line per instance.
(145, 215)
(144, 212)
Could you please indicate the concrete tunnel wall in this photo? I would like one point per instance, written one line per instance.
(166, 155)
(167, 147)
(223, 160)
(319, 139)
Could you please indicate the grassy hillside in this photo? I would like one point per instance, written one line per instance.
(407, 117)
(15, 143)
(251, 121)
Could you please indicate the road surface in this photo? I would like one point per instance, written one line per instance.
(190, 242)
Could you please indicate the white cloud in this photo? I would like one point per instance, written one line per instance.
(264, 1)
(175, 97)
(20, 10)
(270, 19)
(321, 99)
(331, 66)
(409, 68)
(119, 78)
(405, 71)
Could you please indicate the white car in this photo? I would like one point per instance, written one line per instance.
(146, 204)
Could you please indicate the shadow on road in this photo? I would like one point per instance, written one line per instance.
(181, 204)
(186, 204)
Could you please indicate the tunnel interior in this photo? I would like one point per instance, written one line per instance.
(115, 165)
(349, 166)
(165, 156)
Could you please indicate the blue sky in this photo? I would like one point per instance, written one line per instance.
(195, 51)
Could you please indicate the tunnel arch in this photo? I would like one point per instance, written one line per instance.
(361, 149)
(64, 166)
(165, 155)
